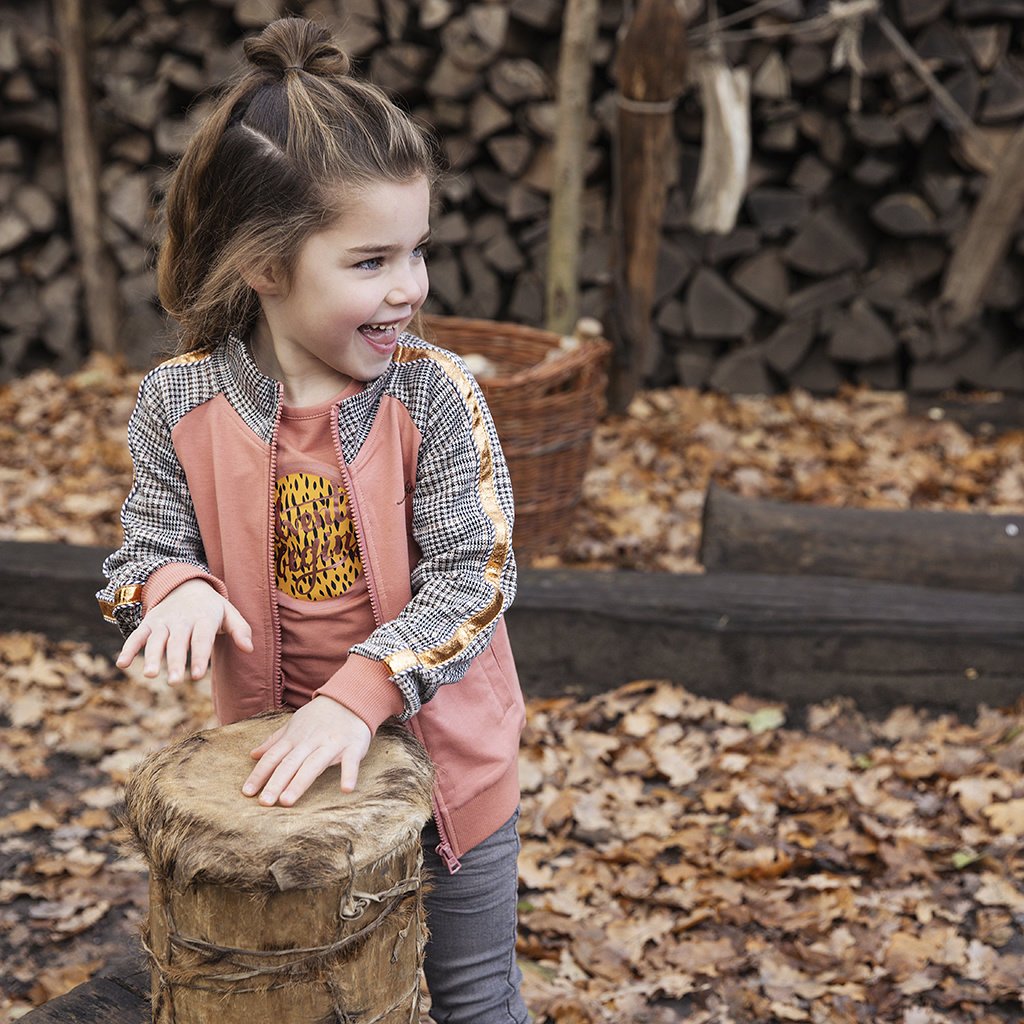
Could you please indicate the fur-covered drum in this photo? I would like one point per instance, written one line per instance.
(311, 913)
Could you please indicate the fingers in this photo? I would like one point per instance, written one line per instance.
(203, 635)
(236, 627)
(257, 752)
(135, 642)
(155, 647)
(284, 774)
(351, 759)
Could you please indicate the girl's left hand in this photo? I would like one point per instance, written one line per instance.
(321, 733)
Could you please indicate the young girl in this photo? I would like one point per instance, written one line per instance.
(320, 501)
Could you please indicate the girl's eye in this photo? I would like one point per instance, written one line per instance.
(421, 251)
(373, 263)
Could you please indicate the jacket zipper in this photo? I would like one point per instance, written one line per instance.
(275, 613)
(444, 847)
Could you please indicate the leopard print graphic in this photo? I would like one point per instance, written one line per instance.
(315, 544)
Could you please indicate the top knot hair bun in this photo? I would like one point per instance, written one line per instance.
(295, 44)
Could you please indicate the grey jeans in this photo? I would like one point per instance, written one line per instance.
(470, 960)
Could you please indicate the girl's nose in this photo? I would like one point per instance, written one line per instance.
(408, 287)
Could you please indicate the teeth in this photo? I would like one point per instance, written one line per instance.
(379, 327)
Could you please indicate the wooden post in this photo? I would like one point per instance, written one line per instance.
(651, 72)
(574, 67)
(81, 169)
(987, 237)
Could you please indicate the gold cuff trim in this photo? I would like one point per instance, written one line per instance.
(123, 595)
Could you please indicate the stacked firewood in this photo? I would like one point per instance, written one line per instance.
(831, 272)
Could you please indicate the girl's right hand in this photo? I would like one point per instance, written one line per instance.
(182, 627)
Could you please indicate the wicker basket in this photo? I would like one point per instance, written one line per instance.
(545, 402)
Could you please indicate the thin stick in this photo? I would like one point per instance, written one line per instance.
(81, 168)
(574, 72)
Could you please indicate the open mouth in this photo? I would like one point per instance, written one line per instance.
(381, 336)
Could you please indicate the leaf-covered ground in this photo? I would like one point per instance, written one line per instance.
(65, 468)
(683, 859)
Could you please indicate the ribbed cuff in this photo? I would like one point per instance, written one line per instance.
(365, 687)
(167, 577)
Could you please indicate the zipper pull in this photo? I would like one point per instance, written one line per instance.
(447, 854)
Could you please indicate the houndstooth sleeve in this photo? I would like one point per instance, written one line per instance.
(157, 518)
(462, 523)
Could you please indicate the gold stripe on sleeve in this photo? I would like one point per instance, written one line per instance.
(402, 661)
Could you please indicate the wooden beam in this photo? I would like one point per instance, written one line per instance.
(650, 69)
(959, 550)
(983, 245)
(81, 169)
(574, 73)
(793, 638)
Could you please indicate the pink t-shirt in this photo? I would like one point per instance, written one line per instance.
(322, 596)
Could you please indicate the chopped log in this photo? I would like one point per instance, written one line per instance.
(487, 117)
(789, 344)
(807, 63)
(940, 46)
(512, 153)
(905, 215)
(695, 361)
(715, 310)
(452, 81)
(965, 89)
(518, 80)
(987, 45)
(862, 336)
(763, 278)
(82, 171)
(742, 372)
(811, 176)
(776, 210)
(475, 38)
(650, 69)
(435, 13)
(875, 171)
(771, 80)
(830, 292)
(825, 245)
(1004, 100)
(915, 13)
(574, 72)
(743, 241)
(984, 552)
(817, 372)
(987, 237)
(875, 130)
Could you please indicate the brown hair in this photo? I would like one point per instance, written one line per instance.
(291, 139)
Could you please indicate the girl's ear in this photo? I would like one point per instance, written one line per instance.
(266, 280)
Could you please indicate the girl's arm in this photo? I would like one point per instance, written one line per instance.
(466, 577)
(163, 551)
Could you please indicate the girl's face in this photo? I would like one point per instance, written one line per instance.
(355, 287)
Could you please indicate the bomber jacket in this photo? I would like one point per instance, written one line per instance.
(432, 509)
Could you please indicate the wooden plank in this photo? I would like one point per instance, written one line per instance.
(792, 638)
(50, 588)
(960, 550)
(121, 997)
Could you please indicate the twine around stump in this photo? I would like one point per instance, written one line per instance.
(310, 961)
